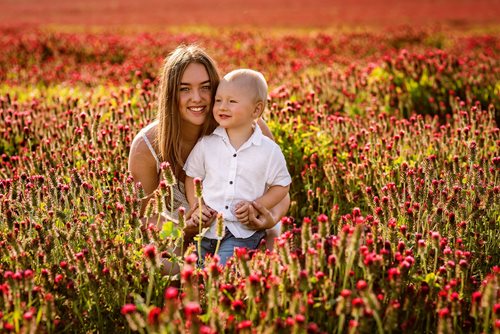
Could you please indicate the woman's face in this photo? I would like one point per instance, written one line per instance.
(195, 94)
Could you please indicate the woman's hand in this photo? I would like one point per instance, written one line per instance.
(208, 215)
(259, 218)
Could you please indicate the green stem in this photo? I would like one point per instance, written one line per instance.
(217, 246)
(150, 284)
(200, 224)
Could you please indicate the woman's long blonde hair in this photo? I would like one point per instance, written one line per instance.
(169, 119)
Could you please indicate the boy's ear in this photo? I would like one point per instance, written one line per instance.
(259, 108)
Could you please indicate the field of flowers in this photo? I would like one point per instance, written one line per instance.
(392, 140)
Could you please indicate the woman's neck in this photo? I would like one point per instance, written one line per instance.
(189, 136)
(190, 132)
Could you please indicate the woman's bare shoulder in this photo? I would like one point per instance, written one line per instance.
(141, 162)
(139, 143)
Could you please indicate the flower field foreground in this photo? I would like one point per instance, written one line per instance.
(392, 144)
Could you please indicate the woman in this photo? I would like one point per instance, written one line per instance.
(188, 82)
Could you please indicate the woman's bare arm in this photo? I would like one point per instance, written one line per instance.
(265, 129)
(142, 166)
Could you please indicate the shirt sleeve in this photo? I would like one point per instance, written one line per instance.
(277, 170)
(195, 163)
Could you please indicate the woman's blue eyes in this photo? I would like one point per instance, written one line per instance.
(186, 89)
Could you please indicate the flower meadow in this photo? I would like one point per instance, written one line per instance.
(392, 140)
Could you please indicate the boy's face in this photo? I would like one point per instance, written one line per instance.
(235, 106)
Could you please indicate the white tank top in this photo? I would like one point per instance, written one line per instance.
(178, 190)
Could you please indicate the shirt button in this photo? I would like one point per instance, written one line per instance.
(230, 182)
(234, 155)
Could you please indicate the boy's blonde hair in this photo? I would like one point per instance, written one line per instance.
(254, 79)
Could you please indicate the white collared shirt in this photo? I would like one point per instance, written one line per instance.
(230, 175)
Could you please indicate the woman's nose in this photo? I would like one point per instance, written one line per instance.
(196, 95)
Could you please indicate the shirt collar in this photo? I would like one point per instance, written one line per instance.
(255, 138)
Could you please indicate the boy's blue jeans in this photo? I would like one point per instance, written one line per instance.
(228, 243)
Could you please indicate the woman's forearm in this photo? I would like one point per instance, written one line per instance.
(281, 209)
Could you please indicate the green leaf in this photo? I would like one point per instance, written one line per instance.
(169, 229)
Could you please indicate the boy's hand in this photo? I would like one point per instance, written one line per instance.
(242, 211)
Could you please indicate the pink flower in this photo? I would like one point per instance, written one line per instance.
(345, 293)
(192, 308)
(206, 330)
(319, 275)
(28, 315)
(496, 309)
(322, 218)
(58, 278)
(171, 293)
(244, 324)
(153, 315)
(238, 305)
(149, 251)
(357, 302)
(361, 285)
(444, 312)
(356, 212)
(241, 252)
(128, 308)
(191, 258)
(393, 273)
(299, 318)
(28, 273)
(187, 272)
(254, 278)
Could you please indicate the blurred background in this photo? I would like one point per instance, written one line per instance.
(277, 13)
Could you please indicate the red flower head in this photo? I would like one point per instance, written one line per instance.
(128, 308)
(357, 302)
(171, 293)
(361, 285)
(28, 315)
(345, 293)
(244, 324)
(191, 258)
(241, 252)
(322, 218)
(444, 312)
(238, 305)
(192, 308)
(187, 272)
(149, 251)
(153, 315)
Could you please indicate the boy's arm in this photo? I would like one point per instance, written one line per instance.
(265, 211)
(273, 196)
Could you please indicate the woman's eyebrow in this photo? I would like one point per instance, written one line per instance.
(189, 84)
